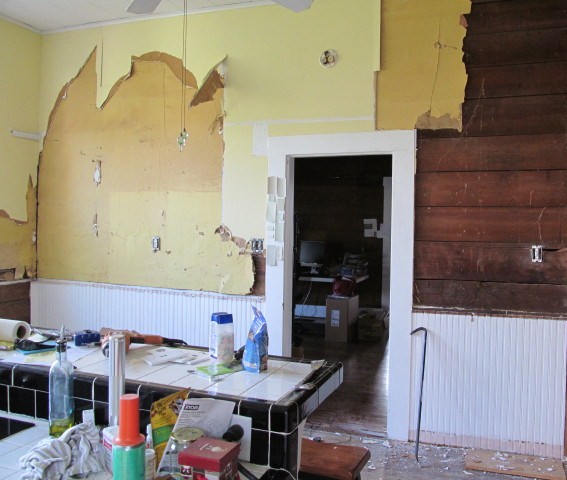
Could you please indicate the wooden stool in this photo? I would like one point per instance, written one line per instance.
(330, 461)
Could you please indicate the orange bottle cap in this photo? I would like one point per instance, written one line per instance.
(129, 421)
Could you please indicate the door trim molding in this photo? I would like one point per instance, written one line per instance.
(401, 144)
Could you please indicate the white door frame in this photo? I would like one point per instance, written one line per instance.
(401, 144)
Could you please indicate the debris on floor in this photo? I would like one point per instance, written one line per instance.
(395, 460)
(513, 464)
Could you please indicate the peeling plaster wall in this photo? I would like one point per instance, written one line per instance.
(101, 231)
(19, 106)
(422, 79)
(274, 80)
(273, 77)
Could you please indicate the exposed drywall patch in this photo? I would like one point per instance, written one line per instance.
(214, 80)
(429, 122)
(226, 236)
(4, 214)
(174, 64)
(63, 93)
(422, 68)
(149, 188)
(17, 239)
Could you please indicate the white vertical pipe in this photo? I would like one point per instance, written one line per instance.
(116, 376)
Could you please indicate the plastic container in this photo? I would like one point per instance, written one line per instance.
(108, 435)
(61, 407)
(221, 338)
(149, 436)
(150, 463)
(129, 449)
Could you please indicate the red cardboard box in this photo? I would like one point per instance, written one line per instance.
(209, 458)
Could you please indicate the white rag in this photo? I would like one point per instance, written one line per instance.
(75, 452)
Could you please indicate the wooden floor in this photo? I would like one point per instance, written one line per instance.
(360, 404)
(355, 414)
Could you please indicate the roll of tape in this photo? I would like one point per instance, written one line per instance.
(11, 330)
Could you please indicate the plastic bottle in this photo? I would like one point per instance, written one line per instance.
(108, 435)
(221, 339)
(149, 436)
(61, 408)
(150, 463)
(129, 446)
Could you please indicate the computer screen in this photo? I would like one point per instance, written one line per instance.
(311, 253)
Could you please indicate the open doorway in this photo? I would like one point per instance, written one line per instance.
(400, 144)
(342, 211)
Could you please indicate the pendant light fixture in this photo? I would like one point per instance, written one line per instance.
(183, 135)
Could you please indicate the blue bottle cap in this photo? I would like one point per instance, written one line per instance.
(221, 317)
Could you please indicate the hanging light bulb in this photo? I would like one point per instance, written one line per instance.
(182, 139)
(183, 135)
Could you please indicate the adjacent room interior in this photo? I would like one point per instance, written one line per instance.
(342, 208)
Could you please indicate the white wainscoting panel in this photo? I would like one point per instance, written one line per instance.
(495, 383)
(182, 314)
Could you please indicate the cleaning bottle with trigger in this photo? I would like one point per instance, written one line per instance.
(61, 407)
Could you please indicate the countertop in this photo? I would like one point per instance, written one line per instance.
(17, 445)
(272, 399)
(281, 377)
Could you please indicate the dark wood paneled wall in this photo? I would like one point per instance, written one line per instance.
(485, 195)
(15, 300)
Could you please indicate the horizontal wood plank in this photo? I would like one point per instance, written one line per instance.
(491, 297)
(515, 116)
(16, 310)
(14, 291)
(496, 224)
(517, 47)
(492, 17)
(488, 262)
(508, 153)
(516, 80)
(500, 189)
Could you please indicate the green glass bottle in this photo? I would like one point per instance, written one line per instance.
(61, 408)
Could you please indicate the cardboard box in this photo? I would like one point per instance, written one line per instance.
(341, 319)
(210, 458)
(371, 325)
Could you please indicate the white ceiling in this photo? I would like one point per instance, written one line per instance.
(47, 16)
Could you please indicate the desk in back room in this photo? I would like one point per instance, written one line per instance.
(316, 311)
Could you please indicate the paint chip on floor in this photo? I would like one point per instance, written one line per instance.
(515, 464)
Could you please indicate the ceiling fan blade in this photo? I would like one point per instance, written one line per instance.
(141, 7)
(295, 5)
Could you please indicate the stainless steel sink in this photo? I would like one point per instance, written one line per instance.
(10, 426)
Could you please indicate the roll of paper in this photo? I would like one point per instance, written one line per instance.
(11, 330)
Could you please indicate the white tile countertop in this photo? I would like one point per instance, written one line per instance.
(276, 401)
(281, 377)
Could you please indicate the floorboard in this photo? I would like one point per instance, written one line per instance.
(359, 405)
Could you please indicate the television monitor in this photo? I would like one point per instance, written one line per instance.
(311, 254)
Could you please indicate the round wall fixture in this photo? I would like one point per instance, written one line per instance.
(328, 58)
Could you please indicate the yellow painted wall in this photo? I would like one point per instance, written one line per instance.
(273, 78)
(19, 106)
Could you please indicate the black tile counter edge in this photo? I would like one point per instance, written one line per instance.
(24, 389)
(282, 416)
